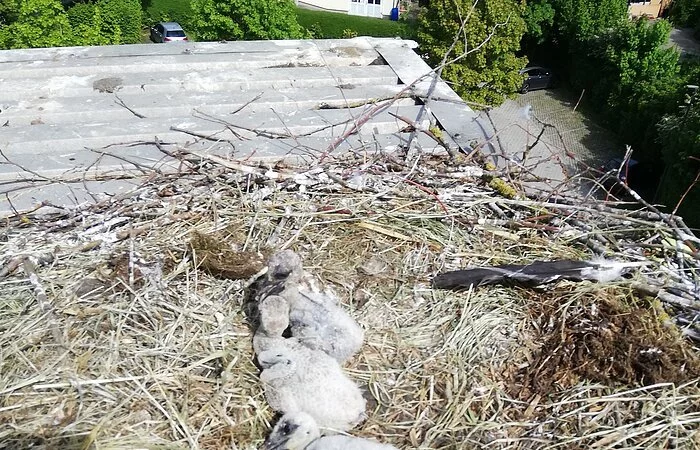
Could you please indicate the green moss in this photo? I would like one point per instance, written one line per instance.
(437, 132)
(503, 188)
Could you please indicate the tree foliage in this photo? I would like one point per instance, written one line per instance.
(487, 69)
(122, 17)
(579, 20)
(39, 23)
(539, 19)
(679, 136)
(8, 11)
(686, 13)
(244, 20)
(627, 67)
(89, 27)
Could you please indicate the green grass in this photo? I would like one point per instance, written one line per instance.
(323, 24)
(332, 25)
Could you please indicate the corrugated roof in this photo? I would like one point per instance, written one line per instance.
(78, 119)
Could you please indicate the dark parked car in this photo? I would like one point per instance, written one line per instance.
(168, 32)
(537, 78)
(609, 172)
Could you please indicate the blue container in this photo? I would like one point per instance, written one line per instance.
(394, 14)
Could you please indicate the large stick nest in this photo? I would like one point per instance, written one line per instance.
(122, 323)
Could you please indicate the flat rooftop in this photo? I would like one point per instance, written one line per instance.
(80, 124)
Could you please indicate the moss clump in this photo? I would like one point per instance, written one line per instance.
(219, 257)
(499, 184)
(503, 188)
(437, 132)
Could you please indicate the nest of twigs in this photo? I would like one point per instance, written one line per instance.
(122, 323)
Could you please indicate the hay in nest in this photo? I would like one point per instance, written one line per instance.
(222, 257)
(113, 334)
(601, 334)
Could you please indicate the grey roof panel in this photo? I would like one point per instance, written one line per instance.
(82, 114)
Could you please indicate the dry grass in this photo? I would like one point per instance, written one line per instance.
(111, 336)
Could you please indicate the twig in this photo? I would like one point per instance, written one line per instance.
(42, 300)
(246, 104)
(120, 102)
(687, 191)
(579, 99)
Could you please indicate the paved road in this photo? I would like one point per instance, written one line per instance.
(567, 138)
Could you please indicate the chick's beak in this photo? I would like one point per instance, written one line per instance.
(275, 443)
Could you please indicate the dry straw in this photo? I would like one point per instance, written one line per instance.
(120, 329)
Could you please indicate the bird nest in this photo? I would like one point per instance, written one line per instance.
(122, 323)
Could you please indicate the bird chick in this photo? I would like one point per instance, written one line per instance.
(298, 379)
(315, 316)
(299, 431)
(273, 313)
(318, 322)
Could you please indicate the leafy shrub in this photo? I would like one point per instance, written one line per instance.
(81, 14)
(39, 23)
(316, 31)
(244, 20)
(124, 15)
(348, 33)
(493, 31)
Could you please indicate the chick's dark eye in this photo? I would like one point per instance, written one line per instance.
(286, 429)
(281, 274)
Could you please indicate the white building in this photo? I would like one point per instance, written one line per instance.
(369, 8)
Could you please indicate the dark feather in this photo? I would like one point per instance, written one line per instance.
(534, 274)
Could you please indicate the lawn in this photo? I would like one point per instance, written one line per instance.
(323, 24)
(333, 25)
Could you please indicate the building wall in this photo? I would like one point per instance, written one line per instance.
(344, 5)
(328, 5)
(651, 8)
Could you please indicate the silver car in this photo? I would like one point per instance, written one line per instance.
(168, 32)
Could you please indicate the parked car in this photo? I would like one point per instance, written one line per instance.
(611, 181)
(537, 78)
(168, 32)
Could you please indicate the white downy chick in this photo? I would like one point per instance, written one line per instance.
(299, 431)
(298, 379)
(315, 316)
(273, 312)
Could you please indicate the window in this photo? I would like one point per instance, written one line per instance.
(176, 33)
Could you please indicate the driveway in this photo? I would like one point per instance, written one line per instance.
(541, 132)
(684, 40)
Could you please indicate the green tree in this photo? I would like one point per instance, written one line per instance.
(579, 20)
(631, 76)
(679, 136)
(539, 19)
(89, 27)
(244, 20)
(686, 13)
(487, 69)
(122, 17)
(8, 11)
(39, 23)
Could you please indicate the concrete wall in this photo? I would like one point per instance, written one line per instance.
(651, 8)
